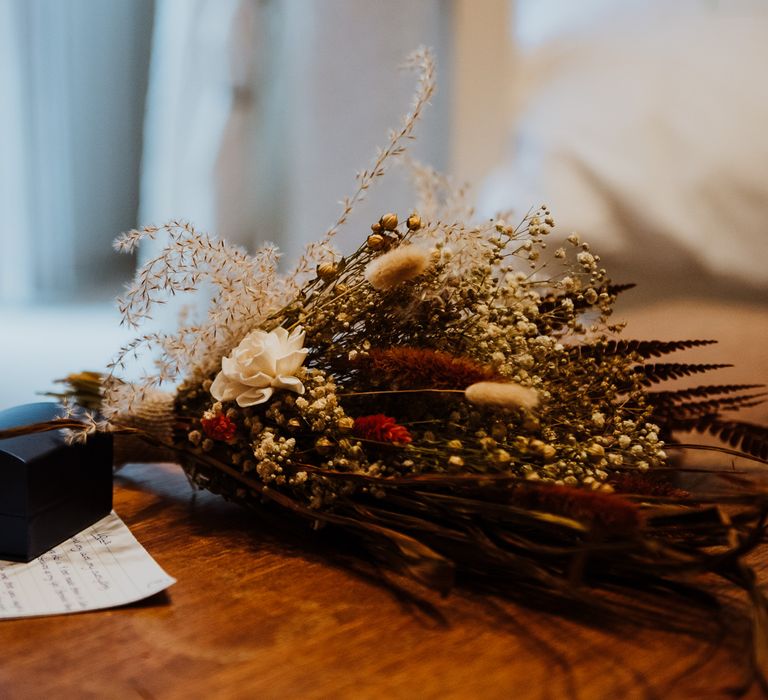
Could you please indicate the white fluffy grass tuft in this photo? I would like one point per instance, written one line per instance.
(502, 395)
(397, 266)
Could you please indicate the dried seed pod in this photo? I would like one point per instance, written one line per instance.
(389, 221)
(346, 424)
(376, 241)
(323, 445)
(501, 457)
(487, 443)
(327, 271)
(595, 452)
(414, 222)
(548, 452)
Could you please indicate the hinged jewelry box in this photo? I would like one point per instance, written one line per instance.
(49, 489)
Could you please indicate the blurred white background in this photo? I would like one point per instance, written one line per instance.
(642, 124)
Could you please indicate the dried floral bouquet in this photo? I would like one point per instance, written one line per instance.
(453, 396)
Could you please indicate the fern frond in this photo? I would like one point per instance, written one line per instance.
(690, 409)
(617, 289)
(747, 437)
(642, 348)
(551, 307)
(665, 371)
(703, 391)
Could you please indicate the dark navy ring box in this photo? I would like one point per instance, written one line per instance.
(49, 490)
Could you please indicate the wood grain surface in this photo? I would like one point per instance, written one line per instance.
(264, 614)
(255, 615)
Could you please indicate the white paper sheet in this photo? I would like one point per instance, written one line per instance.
(101, 567)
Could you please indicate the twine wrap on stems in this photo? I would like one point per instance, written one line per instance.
(153, 416)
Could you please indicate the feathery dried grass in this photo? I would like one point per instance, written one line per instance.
(502, 395)
(247, 290)
(397, 266)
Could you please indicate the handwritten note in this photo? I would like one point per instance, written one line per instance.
(102, 567)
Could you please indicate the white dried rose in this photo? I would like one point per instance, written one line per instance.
(261, 363)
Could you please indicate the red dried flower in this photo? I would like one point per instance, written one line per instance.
(218, 426)
(642, 485)
(417, 368)
(608, 511)
(381, 428)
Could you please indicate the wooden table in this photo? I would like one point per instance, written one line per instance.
(259, 616)
(256, 614)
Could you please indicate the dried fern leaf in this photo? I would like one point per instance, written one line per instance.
(715, 406)
(750, 438)
(659, 397)
(641, 348)
(665, 371)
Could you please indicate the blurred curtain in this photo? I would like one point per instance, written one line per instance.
(190, 97)
(15, 267)
(261, 111)
(72, 83)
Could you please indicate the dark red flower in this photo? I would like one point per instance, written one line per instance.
(218, 427)
(607, 511)
(416, 368)
(381, 428)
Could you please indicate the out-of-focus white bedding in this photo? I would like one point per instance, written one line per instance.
(649, 135)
